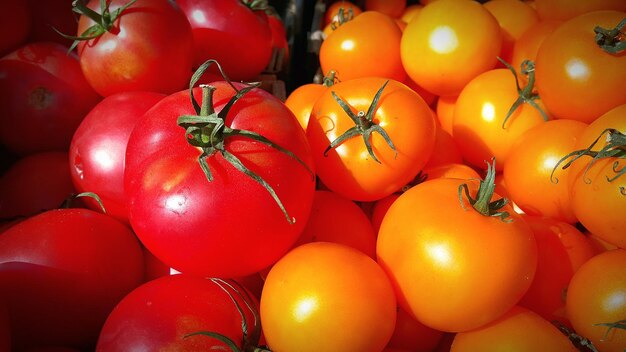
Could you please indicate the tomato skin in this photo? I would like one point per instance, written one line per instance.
(327, 296)
(158, 314)
(45, 94)
(230, 226)
(434, 250)
(98, 148)
(301, 100)
(528, 43)
(411, 335)
(353, 50)
(242, 44)
(450, 32)
(595, 295)
(519, 330)
(348, 169)
(576, 79)
(139, 53)
(62, 272)
(565, 10)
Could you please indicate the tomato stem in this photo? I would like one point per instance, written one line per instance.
(257, 5)
(342, 17)
(581, 343)
(69, 201)
(330, 79)
(486, 189)
(620, 324)
(611, 40)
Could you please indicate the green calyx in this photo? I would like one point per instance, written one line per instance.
(621, 324)
(257, 5)
(343, 16)
(364, 125)
(615, 147)
(482, 203)
(104, 20)
(207, 131)
(526, 95)
(613, 40)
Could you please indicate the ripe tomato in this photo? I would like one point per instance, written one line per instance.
(595, 300)
(453, 42)
(327, 296)
(410, 12)
(519, 330)
(446, 150)
(354, 48)
(349, 169)
(440, 252)
(565, 9)
(44, 98)
(576, 78)
(411, 335)
(445, 112)
(301, 100)
(163, 313)
(391, 8)
(232, 225)
(528, 43)
(61, 274)
(349, 9)
(147, 48)
(596, 186)
(232, 33)
(528, 173)
(98, 148)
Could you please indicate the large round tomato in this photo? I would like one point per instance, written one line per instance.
(576, 78)
(453, 42)
(325, 296)
(350, 168)
(174, 313)
(231, 225)
(148, 47)
(440, 254)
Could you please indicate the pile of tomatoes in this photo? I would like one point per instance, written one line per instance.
(453, 182)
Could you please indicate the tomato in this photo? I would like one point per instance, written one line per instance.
(514, 17)
(348, 8)
(327, 296)
(410, 12)
(481, 125)
(242, 44)
(446, 150)
(279, 39)
(565, 10)
(35, 183)
(45, 96)
(232, 225)
(576, 78)
(14, 28)
(349, 169)
(148, 47)
(379, 209)
(451, 170)
(391, 8)
(528, 173)
(411, 335)
(445, 112)
(519, 330)
(61, 274)
(301, 100)
(354, 48)
(440, 252)
(337, 219)
(562, 249)
(595, 300)
(452, 42)
(528, 43)
(164, 313)
(98, 148)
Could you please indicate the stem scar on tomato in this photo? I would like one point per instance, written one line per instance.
(364, 125)
(482, 203)
(207, 131)
(615, 147)
(613, 40)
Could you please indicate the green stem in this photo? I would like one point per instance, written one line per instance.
(611, 40)
(482, 202)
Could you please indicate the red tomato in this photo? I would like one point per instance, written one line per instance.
(166, 313)
(61, 274)
(327, 296)
(98, 148)
(230, 32)
(35, 183)
(279, 40)
(149, 47)
(349, 168)
(44, 98)
(230, 226)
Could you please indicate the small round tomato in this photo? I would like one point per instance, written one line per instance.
(453, 42)
(327, 296)
(341, 137)
(528, 43)
(595, 300)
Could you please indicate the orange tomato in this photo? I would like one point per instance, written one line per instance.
(391, 8)
(300, 101)
(451, 170)
(349, 168)
(527, 45)
(411, 335)
(450, 43)
(445, 111)
(567, 9)
(446, 150)
(410, 12)
(368, 45)
(349, 9)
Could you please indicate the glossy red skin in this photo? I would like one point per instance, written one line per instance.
(230, 226)
(228, 31)
(279, 36)
(61, 274)
(159, 314)
(44, 98)
(98, 148)
(149, 48)
(14, 26)
(35, 183)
